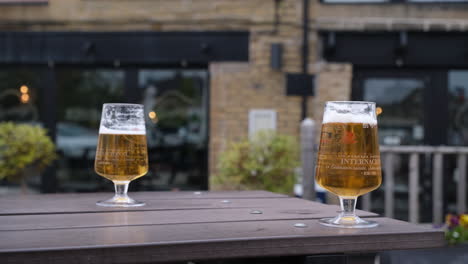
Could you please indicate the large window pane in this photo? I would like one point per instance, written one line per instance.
(19, 95)
(401, 101)
(458, 107)
(176, 106)
(20, 103)
(80, 98)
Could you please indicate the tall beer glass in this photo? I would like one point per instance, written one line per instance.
(121, 154)
(348, 162)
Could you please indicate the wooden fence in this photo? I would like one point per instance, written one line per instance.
(388, 154)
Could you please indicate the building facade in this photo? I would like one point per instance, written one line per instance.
(228, 58)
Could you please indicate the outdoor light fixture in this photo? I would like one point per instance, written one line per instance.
(153, 116)
(24, 97)
(24, 89)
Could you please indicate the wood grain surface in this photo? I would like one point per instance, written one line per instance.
(187, 226)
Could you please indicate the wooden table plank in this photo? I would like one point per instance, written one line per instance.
(78, 203)
(164, 217)
(84, 204)
(151, 195)
(182, 242)
(185, 226)
(87, 205)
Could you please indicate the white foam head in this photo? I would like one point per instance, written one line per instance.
(350, 112)
(122, 119)
(348, 118)
(137, 131)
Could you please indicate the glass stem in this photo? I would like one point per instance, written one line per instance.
(121, 188)
(348, 206)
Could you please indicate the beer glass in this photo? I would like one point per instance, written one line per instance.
(348, 162)
(121, 154)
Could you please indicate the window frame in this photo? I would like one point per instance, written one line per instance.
(24, 2)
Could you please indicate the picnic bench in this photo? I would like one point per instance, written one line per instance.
(193, 227)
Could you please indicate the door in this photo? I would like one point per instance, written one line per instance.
(413, 106)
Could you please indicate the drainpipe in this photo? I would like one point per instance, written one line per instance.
(305, 51)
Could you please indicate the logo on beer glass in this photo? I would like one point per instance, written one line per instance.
(349, 138)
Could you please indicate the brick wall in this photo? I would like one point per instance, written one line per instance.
(237, 88)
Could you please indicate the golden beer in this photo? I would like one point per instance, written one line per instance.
(348, 163)
(121, 157)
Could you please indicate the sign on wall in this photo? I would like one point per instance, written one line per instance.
(261, 119)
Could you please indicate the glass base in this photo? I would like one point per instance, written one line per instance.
(348, 222)
(120, 201)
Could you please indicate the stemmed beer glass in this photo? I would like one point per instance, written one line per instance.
(348, 163)
(121, 154)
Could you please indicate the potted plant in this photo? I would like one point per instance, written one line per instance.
(23, 149)
(267, 162)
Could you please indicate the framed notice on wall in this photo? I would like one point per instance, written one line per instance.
(261, 119)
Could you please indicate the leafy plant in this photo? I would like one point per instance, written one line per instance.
(457, 228)
(22, 146)
(267, 162)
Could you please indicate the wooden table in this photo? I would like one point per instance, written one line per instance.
(250, 226)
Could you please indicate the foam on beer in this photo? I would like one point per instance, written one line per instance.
(137, 131)
(334, 117)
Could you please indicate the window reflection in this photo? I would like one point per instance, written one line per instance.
(458, 107)
(176, 105)
(401, 100)
(20, 102)
(81, 96)
(19, 98)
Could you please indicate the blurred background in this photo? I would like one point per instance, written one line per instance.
(206, 69)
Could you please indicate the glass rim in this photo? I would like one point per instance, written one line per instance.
(128, 104)
(350, 102)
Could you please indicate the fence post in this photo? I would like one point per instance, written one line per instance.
(414, 188)
(308, 159)
(389, 185)
(437, 191)
(461, 186)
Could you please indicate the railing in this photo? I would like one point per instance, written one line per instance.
(388, 155)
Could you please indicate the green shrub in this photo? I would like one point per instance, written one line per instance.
(266, 162)
(23, 146)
